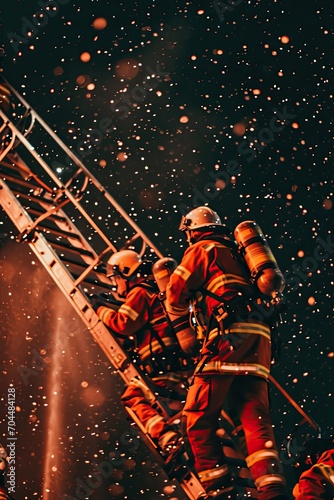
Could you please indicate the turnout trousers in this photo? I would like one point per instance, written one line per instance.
(246, 397)
(152, 421)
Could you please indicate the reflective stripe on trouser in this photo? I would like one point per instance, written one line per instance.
(248, 397)
(216, 475)
(154, 424)
(266, 472)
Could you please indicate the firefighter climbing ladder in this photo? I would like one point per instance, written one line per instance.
(44, 202)
(46, 193)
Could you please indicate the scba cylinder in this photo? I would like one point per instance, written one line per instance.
(162, 270)
(259, 258)
(185, 334)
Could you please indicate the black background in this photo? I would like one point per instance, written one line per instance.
(219, 68)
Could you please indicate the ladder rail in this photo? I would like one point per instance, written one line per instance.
(45, 220)
(73, 293)
(81, 166)
(55, 179)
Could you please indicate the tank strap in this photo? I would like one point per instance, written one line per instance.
(180, 359)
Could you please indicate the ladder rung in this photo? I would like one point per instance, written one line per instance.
(58, 232)
(54, 217)
(92, 281)
(19, 181)
(70, 248)
(100, 269)
(32, 198)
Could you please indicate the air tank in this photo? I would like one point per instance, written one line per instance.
(254, 248)
(185, 334)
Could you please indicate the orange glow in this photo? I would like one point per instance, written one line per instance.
(295, 125)
(85, 57)
(256, 91)
(327, 204)
(99, 23)
(239, 129)
(220, 184)
(311, 301)
(122, 156)
(301, 253)
(93, 397)
(285, 39)
(184, 119)
(127, 68)
(58, 70)
(82, 80)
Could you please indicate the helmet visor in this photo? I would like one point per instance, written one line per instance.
(185, 222)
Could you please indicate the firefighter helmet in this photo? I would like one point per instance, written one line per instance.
(199, 218)
(124, 263)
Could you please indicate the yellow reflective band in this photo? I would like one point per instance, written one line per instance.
(182, 272)
(178, 311)
(243, 328)
(166, 437)
(128, 312)
(152, 422)
(257, 456)
(231, 368)
(209, 474)
(105, 313)
(170, 376)
(161, 274)
(269, 479)
(154, 346)
(250, 328)
(209, 246)
(213, 333)
(225, 279)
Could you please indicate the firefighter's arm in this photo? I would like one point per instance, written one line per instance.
(185, 280)
(130, 317)
(314, 483)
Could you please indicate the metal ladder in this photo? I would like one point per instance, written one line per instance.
(47, 207)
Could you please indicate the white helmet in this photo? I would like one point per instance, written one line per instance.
(124, 263)
(198, 218)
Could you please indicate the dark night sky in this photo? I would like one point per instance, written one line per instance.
(203, 104)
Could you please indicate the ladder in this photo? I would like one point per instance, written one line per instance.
(47, 202)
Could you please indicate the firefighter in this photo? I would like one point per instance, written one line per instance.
(141, 319)
(317, 479)
(235, 358)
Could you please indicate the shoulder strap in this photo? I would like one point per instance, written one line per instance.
(223, 241)
(154, 334)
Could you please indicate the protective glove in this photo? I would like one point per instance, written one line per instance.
(105, 300)
(96, 302)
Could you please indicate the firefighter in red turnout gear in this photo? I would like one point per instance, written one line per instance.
(315, 466)
(141, 319)
(235, 359)
(318, 482)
